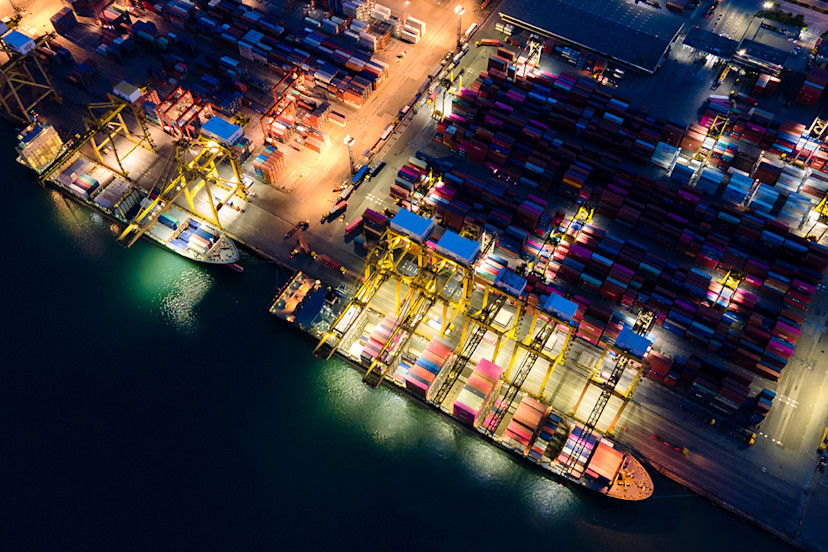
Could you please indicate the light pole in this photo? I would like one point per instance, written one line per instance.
(459, 11)
(350, 143)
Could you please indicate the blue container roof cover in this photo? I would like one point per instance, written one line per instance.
(509, 281)
(458, 248)
(632, 342)
(413, 226)
(16, 39)
(220, 128)
(562, 308)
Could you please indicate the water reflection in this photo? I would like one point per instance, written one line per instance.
(179, 299)
(75, 220)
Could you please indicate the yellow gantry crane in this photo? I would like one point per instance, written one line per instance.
(111, 123)
(24, 82)
(107, 119)
(451, 84)
(716, 130)
(822, 217)
(201, 163)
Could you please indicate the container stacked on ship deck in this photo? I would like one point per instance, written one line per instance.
(525, 424)
(375, 342)
(419, 378)
(482, 385)
(585, 452)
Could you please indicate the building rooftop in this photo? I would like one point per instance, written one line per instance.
(712, 43)
(761, 55)
(636, 36)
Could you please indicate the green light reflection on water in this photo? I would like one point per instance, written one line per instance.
(172, 286)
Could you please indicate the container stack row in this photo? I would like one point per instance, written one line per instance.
(63, 21)
(483, 383)
(421, 375)
(550, 426)
(269, 164)
(374, 224)
(408, 178)
(376, 341)
(521, 431)
(813, 87)
(572, 442)
(84, 74)
(638, 278)
(766, 85)
(764, 402)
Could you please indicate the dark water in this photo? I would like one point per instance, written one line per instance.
(149, 403)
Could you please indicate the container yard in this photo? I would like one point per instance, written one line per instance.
(506, 236)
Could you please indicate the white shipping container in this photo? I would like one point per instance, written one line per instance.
(409, 37)
(417, 24)
(384, 9)
(376, 14)
(412, 30)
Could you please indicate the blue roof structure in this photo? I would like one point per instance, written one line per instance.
(413, 226)
(509, 281)
(560, 307)
(635, 344)
(221, 130)
(18, 42)
(458, 248)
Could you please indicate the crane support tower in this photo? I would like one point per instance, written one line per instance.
(199, 164)
(625, 358)
(24, 82)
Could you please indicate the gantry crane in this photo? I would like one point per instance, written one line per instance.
(716, 130)
(406, 325)
(24, 82)
(822, 217)
(483, 319)
(535, 348)
(284, 100)
(584, 216)
(197, 166)
(110, 123)
(529, 56)
(424, 292)
(817, 132)
(379, 266)
(451, 85)
(642, 325)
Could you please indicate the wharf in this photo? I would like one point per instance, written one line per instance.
(776, 482)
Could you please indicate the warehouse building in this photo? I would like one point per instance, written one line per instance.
(638, 37)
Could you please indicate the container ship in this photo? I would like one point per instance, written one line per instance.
(93, 185)
(481, 394)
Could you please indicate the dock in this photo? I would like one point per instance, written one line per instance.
(486, 314)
